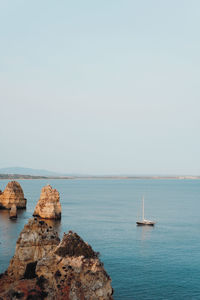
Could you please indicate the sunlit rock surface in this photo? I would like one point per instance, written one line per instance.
(13, 212)
(48, 206)
(13, 194)
(75, 271)
(35, 241)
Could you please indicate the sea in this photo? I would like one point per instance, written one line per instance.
(144, 262)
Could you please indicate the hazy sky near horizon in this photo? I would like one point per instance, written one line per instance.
(102, 87)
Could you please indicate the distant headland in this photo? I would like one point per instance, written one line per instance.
(12, 173)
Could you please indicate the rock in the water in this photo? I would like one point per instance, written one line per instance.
(48, 206)
(13, 194)
(13, 212)
(71, 270)
(35, 241)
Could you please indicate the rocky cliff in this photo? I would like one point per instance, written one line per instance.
(74, 271)
(35, 241)
(43, 268)
(48, 206)
(13, 194)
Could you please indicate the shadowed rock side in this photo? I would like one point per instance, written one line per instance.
(13, 194)
(48, 206)
(73, 245)
(71, 270)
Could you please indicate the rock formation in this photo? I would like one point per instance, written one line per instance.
(13, 194)
(74, 271)
(48, 206)
(69, 270)
(13, 212)
(36, 240)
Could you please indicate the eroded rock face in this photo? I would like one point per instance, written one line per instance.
(48, 206)
(36, 240)
(13, 212)
(74, 271)
(13, 194)
(71, 270)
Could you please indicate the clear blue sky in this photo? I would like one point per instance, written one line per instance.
(100, 86)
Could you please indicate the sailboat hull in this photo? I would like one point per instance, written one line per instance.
(143, 223)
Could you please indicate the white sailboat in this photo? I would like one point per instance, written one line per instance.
(144, 221)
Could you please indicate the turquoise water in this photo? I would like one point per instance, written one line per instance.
(161, 262)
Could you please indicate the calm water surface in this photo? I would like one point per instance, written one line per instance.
(144, 263)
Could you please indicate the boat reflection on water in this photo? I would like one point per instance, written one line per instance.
(145, 232)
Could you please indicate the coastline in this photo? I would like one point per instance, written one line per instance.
(30, 177)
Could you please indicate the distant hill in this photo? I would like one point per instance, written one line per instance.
(28, 171)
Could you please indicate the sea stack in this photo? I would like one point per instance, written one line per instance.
(13, 194)
(13, 212)
(43, 268)
(48, 206)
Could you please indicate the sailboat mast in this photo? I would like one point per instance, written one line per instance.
(143, 208)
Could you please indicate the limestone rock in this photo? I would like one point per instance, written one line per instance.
(13, 194)
(71, 270)
(34, 242)
(48, 206)
(74, 271)
(13, 212)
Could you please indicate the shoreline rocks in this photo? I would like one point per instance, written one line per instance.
(48, 206)
(13, 194)
(45, 268)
